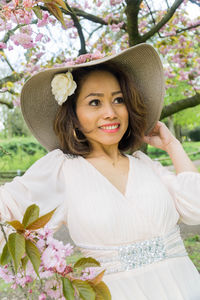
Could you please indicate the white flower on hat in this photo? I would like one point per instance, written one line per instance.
(63, 86)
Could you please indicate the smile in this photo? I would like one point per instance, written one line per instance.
(110, 127)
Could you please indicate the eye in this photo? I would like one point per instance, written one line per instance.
(94, 102)
(119, 100)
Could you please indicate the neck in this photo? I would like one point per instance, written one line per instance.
(110, 153)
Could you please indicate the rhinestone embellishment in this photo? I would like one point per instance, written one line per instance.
(142, 253)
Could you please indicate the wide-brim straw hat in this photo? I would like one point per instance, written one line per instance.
(39, 106)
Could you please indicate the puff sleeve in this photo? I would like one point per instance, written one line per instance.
(43, 184)
(184, 188)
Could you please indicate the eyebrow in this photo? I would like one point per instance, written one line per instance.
(101, 94)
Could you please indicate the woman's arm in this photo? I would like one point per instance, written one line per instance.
(161, 137)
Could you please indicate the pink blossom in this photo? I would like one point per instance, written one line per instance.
(87, 5)
(183, 75)
(5, 25)
(97, 55)
(23, 39)
(143, 23)
(39, 37)
(22, 16)
(28, 3)
(182, 39)
(69, 23)
(99, 3)
(44, 273)
(16, 102)
(115, 2)
(116, 27)
(10, 48)
(49, 258)
(42, 296)
(198, 60)
(22, 280)
(40, 54)
(89, 273)
(44, 20)
(40, 244)
(6, 275)
(3, 45)
(53, 289)
(108, 17)
(169, 73)
(14, 286)
(26, 30)
(73, 35)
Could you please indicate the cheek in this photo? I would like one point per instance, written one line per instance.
(85, 118)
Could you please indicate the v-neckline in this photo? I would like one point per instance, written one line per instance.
(107, 180)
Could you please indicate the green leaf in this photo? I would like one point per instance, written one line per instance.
(5, 256)
(102, 291)
(86, 292)
(16, 246)
(31, 214)
(68, 290)
(24, 261)
(17, 225)
(34, 255)
(86, 262)
(38, 12)
(41, 222)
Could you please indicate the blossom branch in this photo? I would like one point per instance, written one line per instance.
(96, 19)
(179, 105)
(13, 78)
(8, 104)
(163, 21)
(79, 29)
(151, 13)
(167, 3)
(96, 29)
(195, 2)
(12, 31)
(179, 31)
(7, 61)
(188, 28)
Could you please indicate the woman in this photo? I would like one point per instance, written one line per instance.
(121, 209)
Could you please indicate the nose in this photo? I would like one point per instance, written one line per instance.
(109, 111)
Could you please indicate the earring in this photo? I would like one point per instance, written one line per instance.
(75, 131)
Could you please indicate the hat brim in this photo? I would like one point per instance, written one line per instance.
(39, 107)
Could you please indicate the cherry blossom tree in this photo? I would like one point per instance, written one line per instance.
(80, 27)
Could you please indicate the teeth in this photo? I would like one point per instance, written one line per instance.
(110, 127)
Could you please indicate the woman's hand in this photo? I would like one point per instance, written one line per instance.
(160, 137)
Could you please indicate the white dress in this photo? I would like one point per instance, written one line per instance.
(98, 215)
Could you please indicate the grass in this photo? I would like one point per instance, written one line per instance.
(192, 245)
(189, 147)
(19, 153)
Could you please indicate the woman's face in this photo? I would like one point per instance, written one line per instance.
(101, 110)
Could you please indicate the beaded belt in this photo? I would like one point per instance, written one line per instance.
(130, 256)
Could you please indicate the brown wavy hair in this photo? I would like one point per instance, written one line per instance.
(67, 126)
